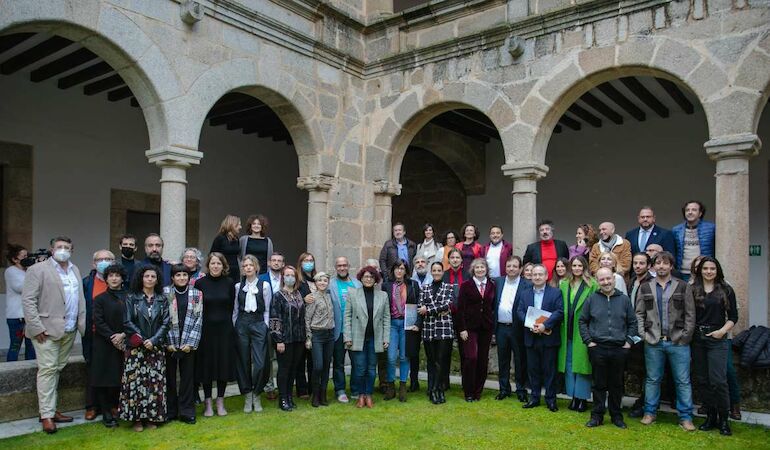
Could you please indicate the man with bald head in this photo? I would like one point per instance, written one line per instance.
(648, 233)
(610, 242)
(338, 288)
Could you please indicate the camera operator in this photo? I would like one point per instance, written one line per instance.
(14, 314)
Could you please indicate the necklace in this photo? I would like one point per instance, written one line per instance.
(181, 292)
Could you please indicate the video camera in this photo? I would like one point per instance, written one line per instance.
(40, 255)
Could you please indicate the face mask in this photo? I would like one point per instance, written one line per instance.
(61, 255)
(308, 266)
(102, 265)
(289, 281)
(127, 252)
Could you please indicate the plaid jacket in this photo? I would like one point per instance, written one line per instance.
(437, 324)
(193, 322)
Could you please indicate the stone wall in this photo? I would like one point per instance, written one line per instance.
(430, 192)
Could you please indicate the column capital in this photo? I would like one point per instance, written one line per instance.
(316, 182)
(174, 156)
(736, 146)
(525, 170)
(385, 187)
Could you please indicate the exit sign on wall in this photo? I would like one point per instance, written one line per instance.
(755, 250)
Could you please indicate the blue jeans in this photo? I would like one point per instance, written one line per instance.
(679, 359)
(397, 351)
(364, 367)
(16, 332)
(577, 385)
(338, 365)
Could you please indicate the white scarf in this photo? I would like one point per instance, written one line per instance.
(251, 295)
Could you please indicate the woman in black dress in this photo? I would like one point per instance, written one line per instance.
(109, 344)
(215, 358)
(256, 242)
(143, 391)
(227, 244)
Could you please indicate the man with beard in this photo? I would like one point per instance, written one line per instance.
(153, 248)
(421, 275)
(127, 245)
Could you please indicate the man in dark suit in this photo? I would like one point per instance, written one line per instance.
(648, 233)
(542, 340)
(547, 250)
(509, 331)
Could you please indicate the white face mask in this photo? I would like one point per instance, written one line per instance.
(62, 255)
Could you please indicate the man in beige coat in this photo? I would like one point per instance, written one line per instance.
(54, 310)
(611, 242)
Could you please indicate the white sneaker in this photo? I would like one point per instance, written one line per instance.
(342, 398)
(248, 399)
(257, 403)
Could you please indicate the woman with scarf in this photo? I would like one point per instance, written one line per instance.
(429, 248)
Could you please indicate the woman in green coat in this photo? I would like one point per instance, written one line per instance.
(573, 353)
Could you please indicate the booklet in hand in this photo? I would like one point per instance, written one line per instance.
(410, 316)
(534, 316)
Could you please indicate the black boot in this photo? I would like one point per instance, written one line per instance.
(724, 424)
(711, 420)
(433, 394)
(573, 404)
(390, 391)
(402, 391)
(290, 399)
(414, 385)
(284, 404)
(316, 401)
(581, 405)
(323, 399)
(441, 396)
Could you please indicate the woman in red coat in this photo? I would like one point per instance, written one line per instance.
(475, 323)
(469, 247)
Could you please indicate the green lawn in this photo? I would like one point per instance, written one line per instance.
(415, 424)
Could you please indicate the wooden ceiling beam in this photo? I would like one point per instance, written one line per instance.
(642, 93)
(10, 41)
(602, 108)
(621, 100)
(569, 122)
(63, 64)
(119, 94)
(83, 75)
(677, 95)
(34, 54)
(103, 85)
(584, 114)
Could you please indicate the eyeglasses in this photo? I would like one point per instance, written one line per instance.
(104, 259)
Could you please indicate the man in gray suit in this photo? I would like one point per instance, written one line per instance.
(54, 309)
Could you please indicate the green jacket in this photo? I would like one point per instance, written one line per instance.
(580, 361)
(357, 316)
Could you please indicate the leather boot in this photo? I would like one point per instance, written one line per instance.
(581, 405)
(369, 401)
(441, 396)
(711, 420)
(572, 405)
(361, 401)
(433, 394)
(414, 385)
(724, 424)
(290, 399)
(207, 410)
(316, 402)
(735, 411)
(402, 391)
(390, 391)
(322, 398)
(283, 403)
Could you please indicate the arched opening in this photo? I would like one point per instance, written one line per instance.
(625, 143)
(450, 174)
(250, 166)
(72, 144)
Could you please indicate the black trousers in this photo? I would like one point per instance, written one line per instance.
(288, 361)
(304, 373)
(510, 341)
(251, 339)
(709, 357)
(180, 396)
(541, 365)
(438, 354)
(106, 399)
(607, 363)
(323, 348)
(413, 341)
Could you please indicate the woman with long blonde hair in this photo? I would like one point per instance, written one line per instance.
(227, 244)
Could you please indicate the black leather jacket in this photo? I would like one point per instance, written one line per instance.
(138, 319)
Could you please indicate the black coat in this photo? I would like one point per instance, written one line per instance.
(139, 321)
(107, 362)
(534, 255)
(754, 346)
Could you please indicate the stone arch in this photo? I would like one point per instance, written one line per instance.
(276, 90)
(653, 56)
(416, 108)
(116, 38)
(752, 83)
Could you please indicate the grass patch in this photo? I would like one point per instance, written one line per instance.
(415, 424)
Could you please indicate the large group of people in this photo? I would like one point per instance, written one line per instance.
(155, 331)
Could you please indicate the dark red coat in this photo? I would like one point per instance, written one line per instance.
(505, 253)
(474, 312)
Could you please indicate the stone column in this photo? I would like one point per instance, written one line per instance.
(317, 215)
(732, 154)
(173, 163)
(383, 210)
(525, 176)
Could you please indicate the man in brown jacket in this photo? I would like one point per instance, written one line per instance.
(666, 320)
(609, 241)
(54, 310)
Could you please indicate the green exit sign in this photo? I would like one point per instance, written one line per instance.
(755, 250)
